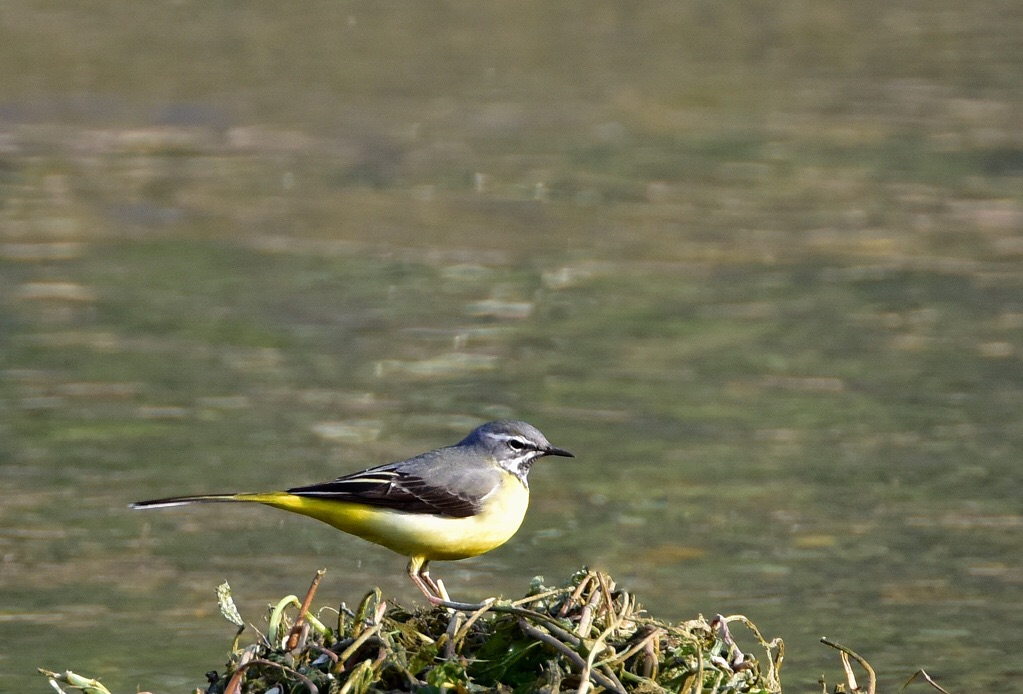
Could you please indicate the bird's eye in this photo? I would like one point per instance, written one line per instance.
(516, 444)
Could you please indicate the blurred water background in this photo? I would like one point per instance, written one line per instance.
(759, 265)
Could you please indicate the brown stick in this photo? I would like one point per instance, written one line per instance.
(846, 653)
(296, 631)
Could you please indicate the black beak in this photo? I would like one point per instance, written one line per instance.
(554, 450)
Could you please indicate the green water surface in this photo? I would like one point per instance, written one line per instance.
(758, 265)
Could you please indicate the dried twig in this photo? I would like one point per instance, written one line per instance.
(927, 678)
(850, 677)
(304, 610)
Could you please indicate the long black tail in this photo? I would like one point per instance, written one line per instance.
(182, 500)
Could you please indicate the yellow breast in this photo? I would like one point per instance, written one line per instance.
(418, 534)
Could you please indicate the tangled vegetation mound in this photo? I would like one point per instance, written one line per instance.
(587, 635)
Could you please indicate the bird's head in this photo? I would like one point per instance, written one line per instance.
(514, 445)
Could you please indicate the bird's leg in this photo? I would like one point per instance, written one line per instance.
(419, 573)
(435, 587)
(434, 591)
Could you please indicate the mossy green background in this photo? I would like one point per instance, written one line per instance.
(759, 265)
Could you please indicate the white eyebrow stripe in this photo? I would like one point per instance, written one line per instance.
(526, 443)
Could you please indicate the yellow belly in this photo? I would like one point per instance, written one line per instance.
(416, 534)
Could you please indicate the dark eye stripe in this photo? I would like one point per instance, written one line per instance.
(519, 444)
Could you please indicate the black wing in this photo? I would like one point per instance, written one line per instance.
(402, 487)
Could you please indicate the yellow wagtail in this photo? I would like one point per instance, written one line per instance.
(450, 503)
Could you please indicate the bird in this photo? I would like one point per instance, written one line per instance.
(446, 504)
